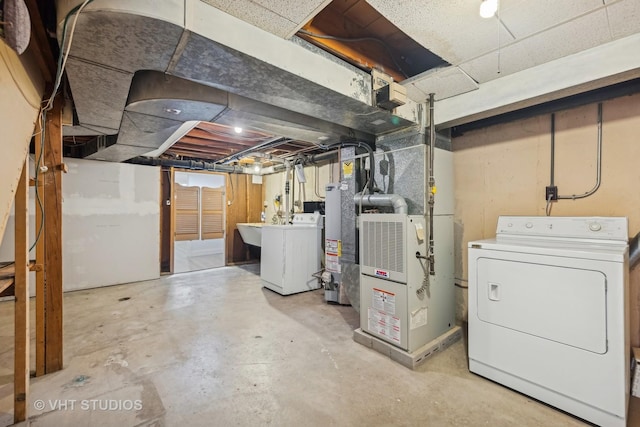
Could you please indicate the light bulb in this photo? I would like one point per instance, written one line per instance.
(257, 168)
(237, 129)
(488, 8)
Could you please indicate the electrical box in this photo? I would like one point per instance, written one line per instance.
(394, 304)
(391, 96)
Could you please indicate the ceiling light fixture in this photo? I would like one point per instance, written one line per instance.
(488, 8)
(237, 129)
(257, 168)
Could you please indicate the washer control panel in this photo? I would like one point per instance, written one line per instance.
(601, 228)
(307, 219)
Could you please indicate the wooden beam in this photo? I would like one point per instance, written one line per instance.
(53, 238)
(40, 259)
(21, 323)
(40, 43)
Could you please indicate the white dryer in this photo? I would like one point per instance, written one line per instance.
(548, 312)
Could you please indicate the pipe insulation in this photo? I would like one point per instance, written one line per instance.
(398, 203)
(186, 164)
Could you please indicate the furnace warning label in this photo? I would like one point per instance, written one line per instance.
(332, 263)
(385, 325)
(384, 301)
(333, 247)
(347, 169)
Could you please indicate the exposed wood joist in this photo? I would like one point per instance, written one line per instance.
(40, 43)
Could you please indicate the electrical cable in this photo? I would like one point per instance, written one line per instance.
(548, 208)
(357, 40)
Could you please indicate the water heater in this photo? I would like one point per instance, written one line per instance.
(400, 301)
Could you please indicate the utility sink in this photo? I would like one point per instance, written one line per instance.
(251, 233)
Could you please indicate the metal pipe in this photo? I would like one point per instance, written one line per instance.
(186, 164)
(598, 163)
(396, 201)
(287, 185)
(634, 251)
(244, 153)
(553, 148)
(432, 183)
(371, 159)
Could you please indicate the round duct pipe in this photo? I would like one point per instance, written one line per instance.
(398, 203)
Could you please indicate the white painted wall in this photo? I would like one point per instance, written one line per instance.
(273, 184)
(110, 224)
(192, 255)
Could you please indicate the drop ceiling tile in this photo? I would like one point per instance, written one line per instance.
(444, 83)
(414, 94)
(493, 65)
(583, 33)
(299, 11)
(452, 29)
(256, 15)
(624, 18)
(529, 17)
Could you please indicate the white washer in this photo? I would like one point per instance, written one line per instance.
(291, 254)
(548, 312)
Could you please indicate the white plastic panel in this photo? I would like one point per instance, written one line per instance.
(561, 304)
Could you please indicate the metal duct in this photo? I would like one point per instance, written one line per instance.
(634, 251)
(397, 202)
(128, 57)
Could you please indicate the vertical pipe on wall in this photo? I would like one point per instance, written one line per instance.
(598, 163)
(432, 181)
(553, 149)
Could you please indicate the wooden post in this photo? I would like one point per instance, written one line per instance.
(39, 228)
(172, 220)
(53, 238)
(21, 361)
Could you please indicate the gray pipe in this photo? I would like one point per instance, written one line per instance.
(598, 163)
(186, 164)
(634, 251)
(287, 185)
(397, 202)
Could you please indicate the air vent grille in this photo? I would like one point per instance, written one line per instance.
(383, 245)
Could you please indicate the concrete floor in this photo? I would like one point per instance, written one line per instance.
(215, 348)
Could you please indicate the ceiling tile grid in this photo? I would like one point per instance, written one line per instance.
(499, 63)
(443, 83)
(529, 17)
(298, 11)
(451, 29)
(624, 18)
(577, 35)
(257, 15)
